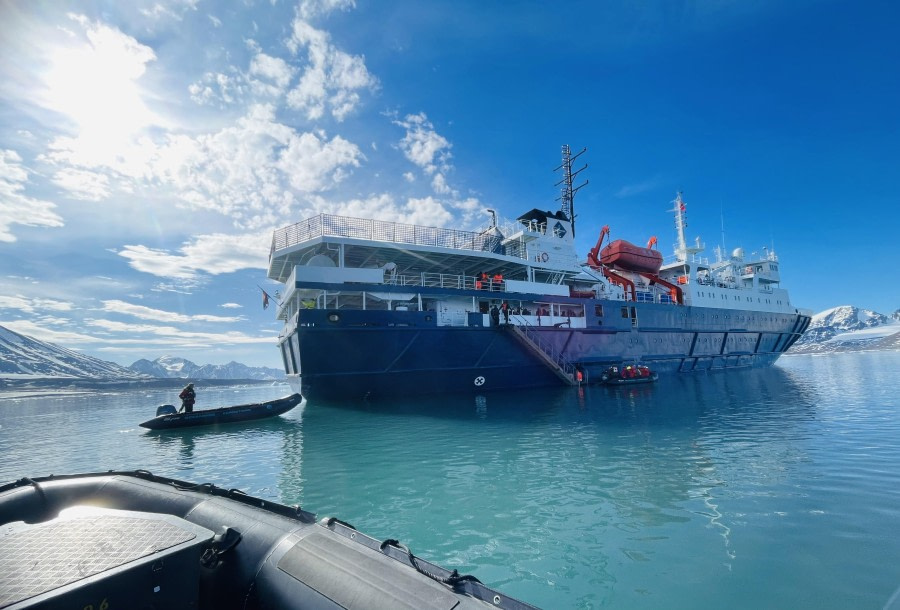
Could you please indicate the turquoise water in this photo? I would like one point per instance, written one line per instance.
(773, 488)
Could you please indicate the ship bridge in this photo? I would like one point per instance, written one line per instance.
(339, 241)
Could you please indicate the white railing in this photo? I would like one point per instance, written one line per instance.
(386, 231)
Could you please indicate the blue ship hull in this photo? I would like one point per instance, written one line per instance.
(380, 354)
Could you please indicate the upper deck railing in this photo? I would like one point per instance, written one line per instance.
(381, 230)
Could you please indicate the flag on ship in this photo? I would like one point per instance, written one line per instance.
(266, 298)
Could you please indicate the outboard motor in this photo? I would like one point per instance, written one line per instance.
(166, 410)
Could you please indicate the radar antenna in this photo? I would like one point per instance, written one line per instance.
(682, 250)
(567, 196)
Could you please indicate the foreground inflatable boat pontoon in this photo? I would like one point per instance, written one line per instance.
(137, 540)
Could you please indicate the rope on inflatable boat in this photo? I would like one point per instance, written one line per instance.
(453, 580)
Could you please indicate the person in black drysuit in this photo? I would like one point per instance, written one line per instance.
(495, 316)
(188, 396)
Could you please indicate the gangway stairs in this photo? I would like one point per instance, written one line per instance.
(528, 337)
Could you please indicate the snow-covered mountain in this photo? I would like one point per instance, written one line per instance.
(849, 328)
(181, 368)
(25, 357)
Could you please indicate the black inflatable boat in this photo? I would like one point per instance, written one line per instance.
(168, 417)
(136, 540)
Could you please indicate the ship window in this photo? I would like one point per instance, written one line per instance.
(284, 357)
(598, 310)
(624, 312)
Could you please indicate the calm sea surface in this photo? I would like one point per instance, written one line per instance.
(774, 488)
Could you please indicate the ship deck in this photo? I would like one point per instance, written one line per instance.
(374, 243)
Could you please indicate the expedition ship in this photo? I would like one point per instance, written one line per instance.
(377, 309)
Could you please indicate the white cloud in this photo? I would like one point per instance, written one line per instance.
(32, 305)
(332, 78)
(148, 313)
(251, 171)
(15, 206)
(205, 254)
(140, 335)
(174, 336)
(267, 78)
(440, 186)
(81, 184)
(312, 163)
(172, 9)
(43, 332)
(248, 171)
(422, 145)
(427, 149)
(308, 9)
(426, 211)
(218, 88)
(272, 69)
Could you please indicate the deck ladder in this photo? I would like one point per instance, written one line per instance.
(529, 337)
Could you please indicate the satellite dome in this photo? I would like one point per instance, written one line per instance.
(320, 260)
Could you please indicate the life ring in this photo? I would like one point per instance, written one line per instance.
(545, 257)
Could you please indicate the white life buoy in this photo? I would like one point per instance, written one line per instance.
(545, 257)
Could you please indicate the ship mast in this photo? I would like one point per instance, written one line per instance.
(567, 196)
(682, 251)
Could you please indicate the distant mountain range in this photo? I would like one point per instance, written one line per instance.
(172, 367)
(23, 357)
(848, 328)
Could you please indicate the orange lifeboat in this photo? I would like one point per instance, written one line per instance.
(625, 255)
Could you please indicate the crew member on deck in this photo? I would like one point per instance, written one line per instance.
(495, 316)
(187, 396)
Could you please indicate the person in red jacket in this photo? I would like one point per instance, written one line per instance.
(188, 396)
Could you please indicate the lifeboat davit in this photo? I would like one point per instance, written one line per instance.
(626, 255)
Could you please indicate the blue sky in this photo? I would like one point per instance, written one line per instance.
(148, 149)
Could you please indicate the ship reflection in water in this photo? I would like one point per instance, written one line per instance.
(630, 468)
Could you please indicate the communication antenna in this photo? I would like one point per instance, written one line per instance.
(567, 198)
(722, 220)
